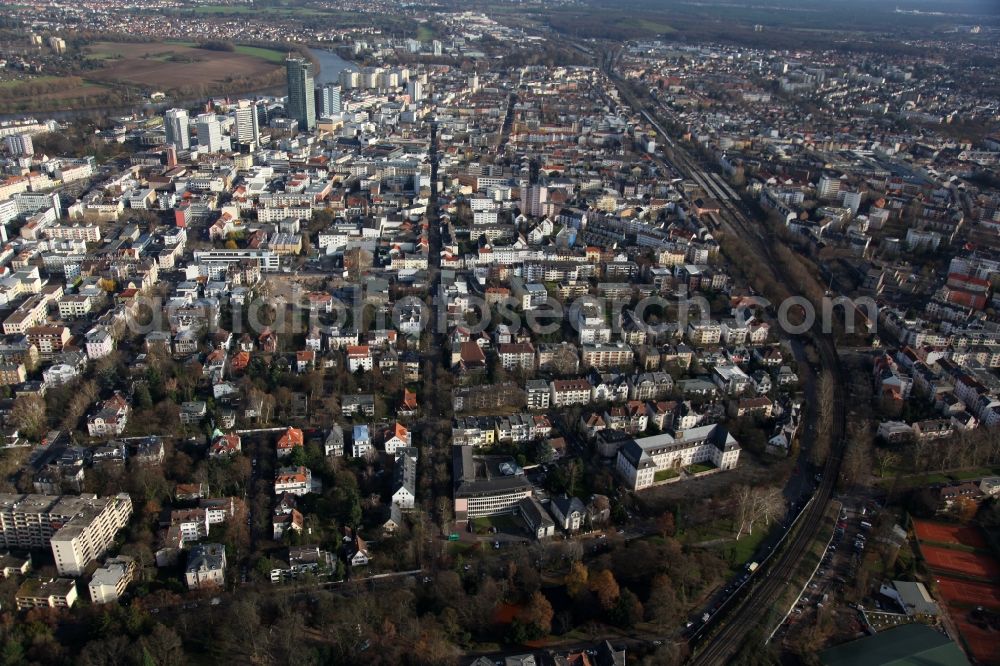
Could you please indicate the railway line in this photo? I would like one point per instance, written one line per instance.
(729, 627)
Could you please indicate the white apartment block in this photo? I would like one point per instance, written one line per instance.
(72, 306)
(604, 357)
(49, 593)
(90, 233)
(566, 392)
(109, 581)
(78, 529)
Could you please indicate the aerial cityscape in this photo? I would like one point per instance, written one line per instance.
(529, 332)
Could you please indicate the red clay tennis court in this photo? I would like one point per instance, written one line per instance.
(982, 643)
(943, 533)
(961, 562)
(968, 593)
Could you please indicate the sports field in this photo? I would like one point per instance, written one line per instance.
(944, 533)
(981, 641)
(968, 593)
(961, 562)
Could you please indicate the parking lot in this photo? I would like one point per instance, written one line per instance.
(836, 569)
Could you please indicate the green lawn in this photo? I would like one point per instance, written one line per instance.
(243, 9)
(425, 34)
(37, 79)
(744, 549)
(460, 548)
(665, 474)
(271, 55)
(697, 468)
(653, 26)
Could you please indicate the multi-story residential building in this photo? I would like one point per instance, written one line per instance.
(77, 528)
(361, 442)
(486, 485)
(352, 405)
(478, 431)
(289, 440)
(538, 394)
(12, 373)
(46, 593)
(607, 356)
(304, 560)
(109, 581)
(99, 342)
(191, 523)
(90, 233)
(49, 340)
(640, 460)
(731, 379)
(294, 480)
(30, 313)
(566, 392)
(206, 566)
(110, 418)
(558, 357)
(404, 485)
(72, 306)
(359, 357)
(704, 332)
(650, 386)
(517, 356)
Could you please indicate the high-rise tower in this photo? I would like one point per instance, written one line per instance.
(301, 93)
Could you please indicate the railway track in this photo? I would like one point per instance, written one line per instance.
(729, 627)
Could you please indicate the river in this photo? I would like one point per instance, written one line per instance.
(330, 67)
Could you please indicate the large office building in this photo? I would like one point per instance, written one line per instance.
(77, 528)
(486, 485)
(175, 123)
(301, 93)
(328, 100)
(639, 460)
(246, 128)
(209, 133)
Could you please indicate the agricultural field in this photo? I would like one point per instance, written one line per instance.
(172, 65)
(120, 74)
